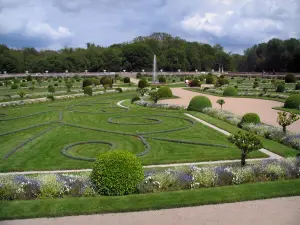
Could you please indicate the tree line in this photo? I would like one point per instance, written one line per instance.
(173, 54)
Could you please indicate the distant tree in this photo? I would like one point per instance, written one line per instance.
(285, 119)
(155, 95)
(69, 86)
(221, 102)
(51, 89)
(22, 94)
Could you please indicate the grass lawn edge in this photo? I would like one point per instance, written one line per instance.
(164, 200)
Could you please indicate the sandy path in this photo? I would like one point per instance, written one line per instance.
(238, 106)
(280, 211)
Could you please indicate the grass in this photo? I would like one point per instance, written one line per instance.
(90, 116)
(163, 200)
(272, 146)
(296, 111)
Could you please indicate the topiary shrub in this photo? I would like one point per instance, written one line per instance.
(1, 84)
(51, 97)
(14, 86)
(250, 118)
(222, 82)
(292, 102)
(117, 173)
(138, 75)
(135, 98)
(209, 80)
(143, 83)
(29, 78)
(126, 80)
(87, 82)
(198, 103)
(120, 90)
(23, 85)
(297, 86)
(51, 89)
(56, 84)
(280, 88)
(290, 78)
(162, 79)
(230, 91)
(165, 92)
(16, 81)
(195, 83)
(88, 91)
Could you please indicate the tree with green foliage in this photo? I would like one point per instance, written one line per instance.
(51, 89)
(155, 95)
(69, 86)
(221, 102)
(21, 94)
(246, 142)
(142, 91)
(285, 119)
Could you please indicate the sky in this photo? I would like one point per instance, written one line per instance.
(235, 24)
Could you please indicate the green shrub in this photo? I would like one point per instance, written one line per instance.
(280, 88)
(87, 82)
(297, 86)
(292, 102)
(106, 82)
(257, 79)
(222, 81)
(135, 98)
(165, 92)
(138, 75)
(29, 78)
(51, 89)
(51, 97)
(1, 84)
(250, 118)
(162, 79)
(209, 80)
(143, 83)
(56, 84)
(290, 78)
(181, 78)
(195, 83)
(126, 80)
(198, 103)
(16, 81)
(14, 86)
(230, 91)
(255, 84)
(120, 90)
(117, 173)
(23, 85)
(88, 91)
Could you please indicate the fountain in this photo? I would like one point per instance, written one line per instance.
(154, 69)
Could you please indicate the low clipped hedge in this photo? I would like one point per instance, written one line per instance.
(230, 91)
(290, 78)
(297, 86)
(126, 80)
(198, 103)
(88, 91)
(135, 98)
(280, 88)
(117, 173)
(292, 102)
(250, 118)
(165, 92)
(143, 83)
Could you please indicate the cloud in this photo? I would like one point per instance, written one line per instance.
(234, 24)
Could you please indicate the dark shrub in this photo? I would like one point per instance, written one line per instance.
(230, 91)
(87, 82)
(23, 85)
(255, 84)
(297, 86)
(165, 92)
(88, 91)
(292, 102)
(51, 97)
(250, 118)
(209, 80)
(143, 83)
(280, 88)
(29, 78)
(290, 78)
(126, 80)
(120, 90)
(257, 79)
(117, 173)
(138, 75)
(1, 84)
(181, 78)
(195, 83)
(16, 81)
(222, 82)
(198, 103)
(60, 80)
(56, 84)
(162, 79)
(14, 86)
(135, 98)
(107, 82)
(222, 76)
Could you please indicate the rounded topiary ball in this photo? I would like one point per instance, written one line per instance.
(230, 91)
(87, 82)
(250, 118)
(195, 83)
(290, 78)
(297, 86)
(280, 88)
(14, 86)
(209, 80)
(88, 91)
(162, 80)
(117, 173)
(292, 102)
(165, 92)
(198, 103)
(135, 98)
(126, 80)
(143, 83)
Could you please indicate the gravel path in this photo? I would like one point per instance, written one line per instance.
(238, 106)
(279, 211)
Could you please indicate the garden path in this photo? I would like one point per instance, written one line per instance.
(238, 106)
(278, 211)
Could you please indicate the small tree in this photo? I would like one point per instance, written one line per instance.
(69, 86)
(221, 102)
(142, 91)
(265, 90)
(51, 89)
(39, 80)
(22, 94)
(246, 142)
(31, 88)
(155, 95)
(285, 119)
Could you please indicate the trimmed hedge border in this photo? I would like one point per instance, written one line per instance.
(3, 114)
(64, 151)
(29, 115)
(25, 142)
(26, 128)
(156, 121)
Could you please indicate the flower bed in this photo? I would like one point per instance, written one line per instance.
(19, 187)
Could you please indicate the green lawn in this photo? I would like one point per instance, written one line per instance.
(33, 136)
(163, 200)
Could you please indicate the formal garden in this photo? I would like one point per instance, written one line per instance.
(131, 143)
